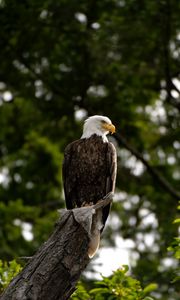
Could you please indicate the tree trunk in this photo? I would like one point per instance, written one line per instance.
(54, 270)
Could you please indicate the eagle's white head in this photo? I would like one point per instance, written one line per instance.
(98, 125)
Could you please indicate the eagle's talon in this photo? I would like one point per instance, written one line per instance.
(85, 204)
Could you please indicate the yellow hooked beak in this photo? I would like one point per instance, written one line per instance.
(109, 127)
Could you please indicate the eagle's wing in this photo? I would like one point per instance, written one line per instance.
(112, 165)
(111, 176)
(70, 170)
(68, 185)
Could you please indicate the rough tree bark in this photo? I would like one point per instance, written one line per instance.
(54, 270)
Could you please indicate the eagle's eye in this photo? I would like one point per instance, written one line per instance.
(103, 122)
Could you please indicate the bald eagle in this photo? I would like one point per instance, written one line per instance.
(89, 167)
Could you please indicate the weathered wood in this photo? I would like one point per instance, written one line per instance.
(54, 270)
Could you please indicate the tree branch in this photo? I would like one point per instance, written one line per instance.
(54, 270)
(154, 173)
(166, 40)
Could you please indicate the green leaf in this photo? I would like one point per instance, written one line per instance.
(176, 221)
(149, 288)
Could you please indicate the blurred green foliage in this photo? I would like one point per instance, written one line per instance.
(7, 272)
(174, 248)
(62, 61)
(118, 286)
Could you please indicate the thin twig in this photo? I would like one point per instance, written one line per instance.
(154, 173)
